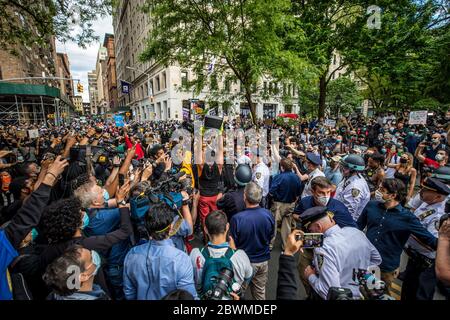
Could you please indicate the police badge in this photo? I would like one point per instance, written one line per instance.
(258, 175)
(355, 192)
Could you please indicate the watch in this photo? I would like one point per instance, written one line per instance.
(122, 203)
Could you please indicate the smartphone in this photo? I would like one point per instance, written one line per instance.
(121, 180)
(312, 240)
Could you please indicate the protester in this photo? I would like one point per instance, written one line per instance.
(119, 186)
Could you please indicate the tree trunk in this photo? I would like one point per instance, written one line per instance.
(322, 95)
(248, 97)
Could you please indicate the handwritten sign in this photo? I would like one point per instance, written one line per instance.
(330, 123)
(33, 134)
(418, 117)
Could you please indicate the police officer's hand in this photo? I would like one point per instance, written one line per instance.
(444, 231)
(309, 271)
(294, 243)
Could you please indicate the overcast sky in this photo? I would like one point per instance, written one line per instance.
(82, 60)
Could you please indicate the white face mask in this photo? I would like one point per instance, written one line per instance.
(439, 157)
(379, 196)
(323, 200)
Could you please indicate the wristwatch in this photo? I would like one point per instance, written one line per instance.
(122, 203)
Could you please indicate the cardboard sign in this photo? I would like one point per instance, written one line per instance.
(418, 117)
(21, 133)
(33, 134)
(330, 123)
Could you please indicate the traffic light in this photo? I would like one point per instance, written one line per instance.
(80, 88)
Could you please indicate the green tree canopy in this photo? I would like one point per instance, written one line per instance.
(244, 37)
(28, 22)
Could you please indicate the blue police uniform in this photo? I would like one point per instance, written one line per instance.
(342, 216)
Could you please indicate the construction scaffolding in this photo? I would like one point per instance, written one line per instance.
(33, 104)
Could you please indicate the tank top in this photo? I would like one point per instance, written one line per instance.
(405, 178)
(209, 180)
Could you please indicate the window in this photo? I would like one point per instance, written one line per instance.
(334, 59)
(184, 79)
(227, 84)
(158, 88)
(284, 88)
(214, 83)
(164, 80)
(265, 87)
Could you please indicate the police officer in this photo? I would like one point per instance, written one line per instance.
(421, 257)
(353, 191)
(261, 175)
(442, 174)
(233, 202)
(313, 165)
(344, 251)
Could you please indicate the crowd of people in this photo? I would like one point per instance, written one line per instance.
(93, 211)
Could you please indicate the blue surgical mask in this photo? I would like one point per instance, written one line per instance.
(85, 221)
(97, 261)
(105, 195)
(383, 151)
(34, 234)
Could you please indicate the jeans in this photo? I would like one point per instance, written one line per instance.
(114, 274)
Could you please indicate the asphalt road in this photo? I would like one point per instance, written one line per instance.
(271, 287)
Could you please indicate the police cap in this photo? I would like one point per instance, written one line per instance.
(437, 186)
(313, 214)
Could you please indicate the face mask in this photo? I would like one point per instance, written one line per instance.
(96, 260)
(85, 221)
(404, 161)
(105, 195)
(34, 234)
(379, 196)
(338, 140)
(435, 141)
(439, 157)
(383, 151)
(323, 201)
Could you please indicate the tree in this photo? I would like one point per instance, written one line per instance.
(32, 22)
(343, 95)
(324, 25)
(406, 60)
(243, 37)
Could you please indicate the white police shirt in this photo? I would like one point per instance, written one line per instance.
(415, 202)
(354, 193)
(312, 175)
(344, 251)
(261, 176)
(428, 215)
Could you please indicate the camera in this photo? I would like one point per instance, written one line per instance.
(223, 285)
(335, 293)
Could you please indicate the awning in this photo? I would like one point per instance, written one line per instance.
(23, 89)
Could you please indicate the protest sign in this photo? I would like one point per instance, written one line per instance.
(33, 134)
(418, 117)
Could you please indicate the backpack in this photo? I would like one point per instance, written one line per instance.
(212, 269)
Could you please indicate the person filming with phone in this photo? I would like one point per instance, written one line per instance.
(342, 251)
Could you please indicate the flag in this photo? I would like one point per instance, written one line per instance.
(126, 86)
(211, 66)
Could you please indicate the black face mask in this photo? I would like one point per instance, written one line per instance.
(404, 161)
